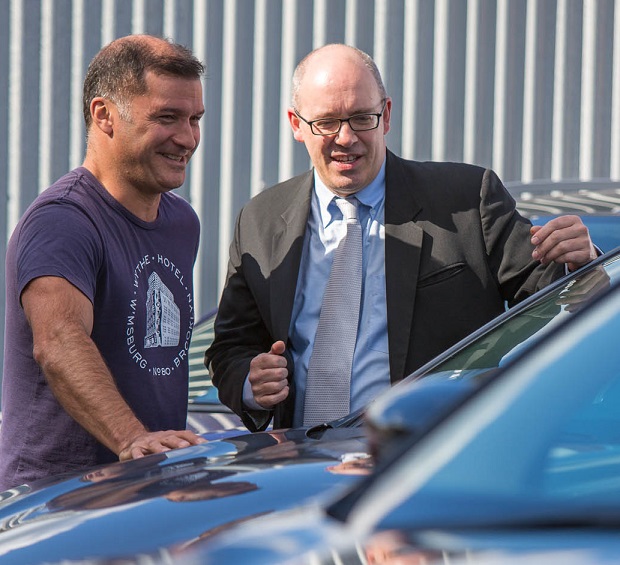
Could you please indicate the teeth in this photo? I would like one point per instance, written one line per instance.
(173, 157)
(349, 159)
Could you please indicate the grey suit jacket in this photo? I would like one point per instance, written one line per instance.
(455, 250)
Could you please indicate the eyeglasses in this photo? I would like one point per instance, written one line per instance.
(332, 126)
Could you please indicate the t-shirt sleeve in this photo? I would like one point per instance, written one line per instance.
(59, 240)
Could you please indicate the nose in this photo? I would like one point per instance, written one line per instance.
(346, 136)
(187, 135)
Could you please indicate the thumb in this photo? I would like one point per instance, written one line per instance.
(277, 348)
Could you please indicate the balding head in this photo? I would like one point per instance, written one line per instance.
(118, 71)
(334, 84)
(330, 59)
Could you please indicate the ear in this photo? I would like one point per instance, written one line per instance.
(387, 114)
(102, 115)
(295, 122)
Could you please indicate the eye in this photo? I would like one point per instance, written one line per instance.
(167, 118)
(327, 125)
(363, 120)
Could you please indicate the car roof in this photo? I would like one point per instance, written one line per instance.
(552, 198)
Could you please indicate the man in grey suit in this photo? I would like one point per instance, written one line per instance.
(443, 250)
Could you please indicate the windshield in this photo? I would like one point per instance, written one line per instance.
(544, 438)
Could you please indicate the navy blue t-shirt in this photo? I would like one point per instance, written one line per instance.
(138, 276)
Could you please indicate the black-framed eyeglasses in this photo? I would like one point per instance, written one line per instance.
(331, 126)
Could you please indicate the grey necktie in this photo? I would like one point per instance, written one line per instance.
(328, 383)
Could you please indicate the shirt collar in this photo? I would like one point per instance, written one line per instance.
(371, 196)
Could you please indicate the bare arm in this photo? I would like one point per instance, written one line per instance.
(61, 318)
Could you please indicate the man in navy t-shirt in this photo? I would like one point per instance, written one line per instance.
(99, 297)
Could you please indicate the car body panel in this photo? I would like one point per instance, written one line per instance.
(169, 500)
(300, 538)
(525, 466)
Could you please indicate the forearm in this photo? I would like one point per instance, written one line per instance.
(229, 366)
(83, 385)
(507, 241)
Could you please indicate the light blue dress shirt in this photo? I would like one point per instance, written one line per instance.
(371, 370)
(371, 373)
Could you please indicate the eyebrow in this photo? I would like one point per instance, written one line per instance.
(176, 110)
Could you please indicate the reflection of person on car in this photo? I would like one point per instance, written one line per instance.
(283, 445)
(583, 289)
(353, 464)
(188, 480)
(200, 490)
(391, 547)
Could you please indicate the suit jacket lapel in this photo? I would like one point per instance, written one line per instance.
(287, 247)
(403, 244)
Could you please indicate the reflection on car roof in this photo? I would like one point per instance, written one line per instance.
(548, 198)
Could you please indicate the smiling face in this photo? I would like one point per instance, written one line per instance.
(155, 141)
(337, 84)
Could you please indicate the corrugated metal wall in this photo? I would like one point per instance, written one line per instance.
(528, 87)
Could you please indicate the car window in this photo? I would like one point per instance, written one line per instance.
(499, 346)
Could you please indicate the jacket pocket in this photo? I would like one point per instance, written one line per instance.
(441, 275)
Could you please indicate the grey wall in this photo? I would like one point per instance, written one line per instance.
(528, 87)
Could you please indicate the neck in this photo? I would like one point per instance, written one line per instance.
(142, 205)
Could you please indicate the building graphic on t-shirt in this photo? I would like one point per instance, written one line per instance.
(163, 319)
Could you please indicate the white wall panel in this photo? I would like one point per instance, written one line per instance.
(615, 97)
(528, 87)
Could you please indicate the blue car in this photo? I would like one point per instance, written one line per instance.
(520, 462)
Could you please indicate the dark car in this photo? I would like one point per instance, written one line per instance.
(151, 508)
(597, 202)
(520, 465)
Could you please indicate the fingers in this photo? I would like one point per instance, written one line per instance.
(564, 239)
(269, 376)
(159, 442)
(277, 348)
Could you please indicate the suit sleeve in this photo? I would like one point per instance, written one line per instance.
(240, 333)
(507, 236)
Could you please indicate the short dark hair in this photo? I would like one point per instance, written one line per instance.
(118, 71)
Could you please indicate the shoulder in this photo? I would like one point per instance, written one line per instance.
(453, 172)
(70, 200)
(281, 196)
(178, 205)
(437, 179)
